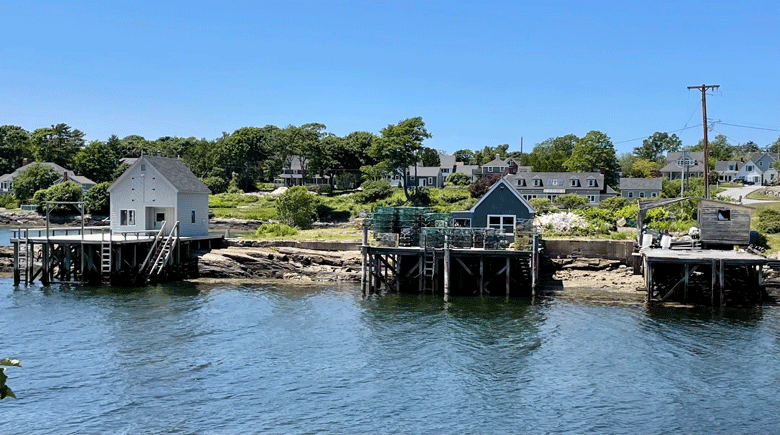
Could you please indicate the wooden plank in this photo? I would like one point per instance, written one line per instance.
(507, 276)
(481, 275)
(466, 268)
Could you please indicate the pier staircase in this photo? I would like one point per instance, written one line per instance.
(429, 267)
(159, 254)
(23, 253)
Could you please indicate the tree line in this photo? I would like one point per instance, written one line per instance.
(252, 155)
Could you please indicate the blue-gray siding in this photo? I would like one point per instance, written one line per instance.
(501, 201)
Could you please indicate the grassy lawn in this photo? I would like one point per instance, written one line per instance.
(344, 233)
(757, 194)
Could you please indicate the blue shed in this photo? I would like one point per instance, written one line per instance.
(501, 207)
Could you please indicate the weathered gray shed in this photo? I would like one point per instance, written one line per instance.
(724, 223)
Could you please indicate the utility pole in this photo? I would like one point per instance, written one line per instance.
(703, 89)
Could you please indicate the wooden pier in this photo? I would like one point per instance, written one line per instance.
(703, 276)
(451, 271)
(97, 255)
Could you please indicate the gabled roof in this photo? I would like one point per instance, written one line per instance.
(507, 185)
(60, 170)
(425, 171)
(673, 157)
(446, 161)
(640, 184)
(562, 177)
(757, 156)
(500, 162)
(723, 166)
(466, 169)
(173, 170)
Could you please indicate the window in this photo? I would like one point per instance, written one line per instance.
(591, 183)
(552, 197)
(641, 194)
(654, 194)
(731, 167)
(573, 182)
(126, 217)
(761, 164)
(630, 194)
(592, 198)
(143, 168)
(749, 167)
(521, 182)
(193, 216)
(724, 215)
(537, 182)
(503, 222)
(430, 181)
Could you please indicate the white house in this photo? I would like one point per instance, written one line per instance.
(154, 190)
(750, 172)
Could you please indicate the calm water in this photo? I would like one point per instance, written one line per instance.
(230, 359)
(5, 236)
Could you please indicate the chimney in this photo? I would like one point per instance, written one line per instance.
(65, 176)
(601, 170)
(25, 161)
(498, 156)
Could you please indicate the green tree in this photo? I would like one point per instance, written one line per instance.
(97, 200)
(14, 146)
(245, 150)
(720, 149)
(489, 153)
(551, 154)
(33, 179)
(774, 147)
(614, 203)
(429, 157)
(656, 146)
(399, 148)
(593, 152)
(132, 146)
(65, 192)
(97, 161)
(57, 144)
(296, 207)
(458, 179)
(644, 169)
(465, 156)
(626, 162)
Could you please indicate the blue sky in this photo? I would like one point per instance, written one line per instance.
(479, 74)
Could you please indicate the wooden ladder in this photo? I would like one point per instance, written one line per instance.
(22, 255)
(429, 266)
(166, 250)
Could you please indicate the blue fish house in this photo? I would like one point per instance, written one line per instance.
(502, 208)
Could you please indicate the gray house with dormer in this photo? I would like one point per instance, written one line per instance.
(550, 185)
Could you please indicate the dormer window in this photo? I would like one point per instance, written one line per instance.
(573, 182)
(591, 183)
(521, 182)
(537, 182)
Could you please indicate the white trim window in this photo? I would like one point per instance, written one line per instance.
(462, 222)
(430, 181)
(641, 194)
(537, 182)
(127, 217)
(630, 194)
(573, 182)
(502, 222)
(193, 216)
(592, 198)
(654, 194)
(591, 183)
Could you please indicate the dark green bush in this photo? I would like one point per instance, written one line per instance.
(373, 191)
(216, 184)
(769, 221)
(97, 200)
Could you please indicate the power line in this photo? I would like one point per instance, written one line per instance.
(746, 126)
(668, 131)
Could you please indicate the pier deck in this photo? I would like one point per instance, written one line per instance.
(717, 277)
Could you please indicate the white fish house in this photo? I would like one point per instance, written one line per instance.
(157, 191)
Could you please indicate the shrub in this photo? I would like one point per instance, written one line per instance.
(483, 185)
(277, 230)
(769, 221)
(420, 196)
(541, 205)
(373, 191)
(215, 184)
(571, 200)
(8, 201)
(326, 213)
(459, 179)
(324, 189)
(615, 203)
(233, 186)
(67, 191)
(97, 200)
(296, 207)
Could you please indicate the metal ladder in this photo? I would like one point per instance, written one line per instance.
(429, 266)
(105, 257)
(165, 253)
(22, 259)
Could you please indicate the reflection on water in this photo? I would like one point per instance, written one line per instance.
(195, 358)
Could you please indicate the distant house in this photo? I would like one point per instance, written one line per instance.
(6, 180)
(683, 165)
(764, 163)
(727, 170)
(155, 193)
(502, 208)
(295, 173)
(640, 187)
(550, 185)
(472, 171)
(749, 172)
(500, 166)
